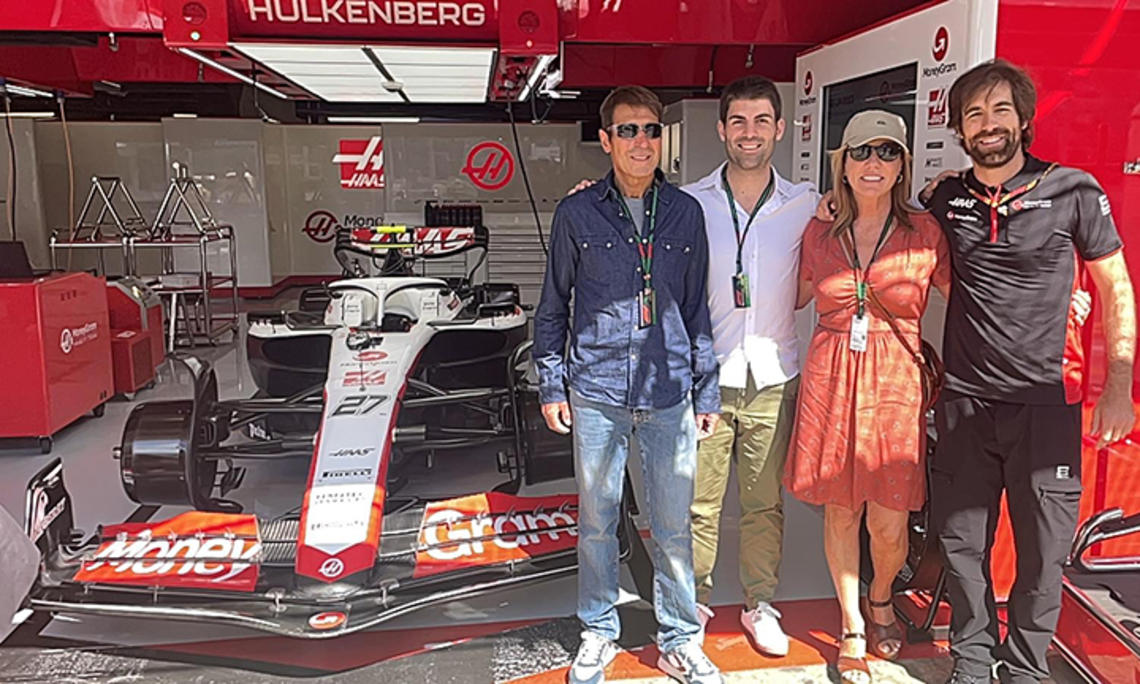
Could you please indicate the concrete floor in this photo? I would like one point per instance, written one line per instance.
(518, 633)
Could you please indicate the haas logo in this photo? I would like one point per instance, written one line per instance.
(941, 44)
(321, 226)
(808, 83)
(361, 164)
(332, 568)
(490, 166)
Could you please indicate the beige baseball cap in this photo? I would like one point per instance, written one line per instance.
(874, 124)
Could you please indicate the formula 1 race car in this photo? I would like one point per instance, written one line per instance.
(413, 365)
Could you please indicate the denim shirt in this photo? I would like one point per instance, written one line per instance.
(594, 258)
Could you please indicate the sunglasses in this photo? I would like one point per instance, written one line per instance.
(630, 130)
(887, 151)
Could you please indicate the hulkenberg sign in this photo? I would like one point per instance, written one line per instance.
(446, 19)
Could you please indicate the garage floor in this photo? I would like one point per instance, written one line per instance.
(522, 635)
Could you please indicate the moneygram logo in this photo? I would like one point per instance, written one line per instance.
(361, 164)
(941, 44)
(179, 552)
(321, 226)
(328, 620)
(70, 338)
(489, 166)
(450, 535)
(939, 49)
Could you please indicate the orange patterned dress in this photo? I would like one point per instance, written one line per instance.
(858, 435)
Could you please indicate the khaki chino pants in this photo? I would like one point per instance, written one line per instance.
(754, 432)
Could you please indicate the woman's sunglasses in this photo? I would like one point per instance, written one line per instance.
(630, 130)
(887, 151)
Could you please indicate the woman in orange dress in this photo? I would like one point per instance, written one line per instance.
(859, 439)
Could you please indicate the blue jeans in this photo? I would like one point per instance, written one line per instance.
(667, 442)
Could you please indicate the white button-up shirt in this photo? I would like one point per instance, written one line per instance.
(762, 337)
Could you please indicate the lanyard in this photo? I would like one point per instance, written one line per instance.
(740, 238)
(862, 273)
(645, 240)
(996, 200)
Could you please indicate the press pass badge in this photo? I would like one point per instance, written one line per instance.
(647, 305)
(858, 333)
(740, 293)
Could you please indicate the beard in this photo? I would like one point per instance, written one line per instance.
(747, 162)
(994, 158)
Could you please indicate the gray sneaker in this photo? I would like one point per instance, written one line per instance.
(689, 664)
(594, 654)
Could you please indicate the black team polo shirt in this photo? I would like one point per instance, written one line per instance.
(1009, 336)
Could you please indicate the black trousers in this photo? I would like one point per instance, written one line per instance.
(1034, 454)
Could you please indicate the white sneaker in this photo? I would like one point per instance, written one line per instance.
(594, 654)
(763, 624)
(690, 665)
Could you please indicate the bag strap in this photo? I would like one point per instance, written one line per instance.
(874, 299)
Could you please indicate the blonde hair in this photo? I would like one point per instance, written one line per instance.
(844, 199)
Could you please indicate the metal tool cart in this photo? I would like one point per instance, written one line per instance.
(184, 222)
(113, 227)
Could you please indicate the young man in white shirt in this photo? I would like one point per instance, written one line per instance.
(754, 221)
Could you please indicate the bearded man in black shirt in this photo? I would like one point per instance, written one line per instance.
(1021, 232)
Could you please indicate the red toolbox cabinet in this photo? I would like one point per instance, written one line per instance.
(56, 363)
(133, 305)
(131, 359)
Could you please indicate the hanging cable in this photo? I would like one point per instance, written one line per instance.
(70, 177)
(526, 178)
(11, 161)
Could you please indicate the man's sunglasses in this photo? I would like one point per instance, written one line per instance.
(630, 130)
(887, 151)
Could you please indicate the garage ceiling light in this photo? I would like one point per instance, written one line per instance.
(373, 119)
(26, 91)
(379, 73)
(28, 115)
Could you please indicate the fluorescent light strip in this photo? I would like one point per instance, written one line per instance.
(373, 119)
(540, 68)
(28, 115)
(26, 91)
(344, 73)
(230, 72)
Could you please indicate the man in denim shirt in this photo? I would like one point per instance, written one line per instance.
(632, 252)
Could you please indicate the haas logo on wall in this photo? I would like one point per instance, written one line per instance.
(321, 226)
(809, 81)
(361, 164)
(489, 166)
(937, 113)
